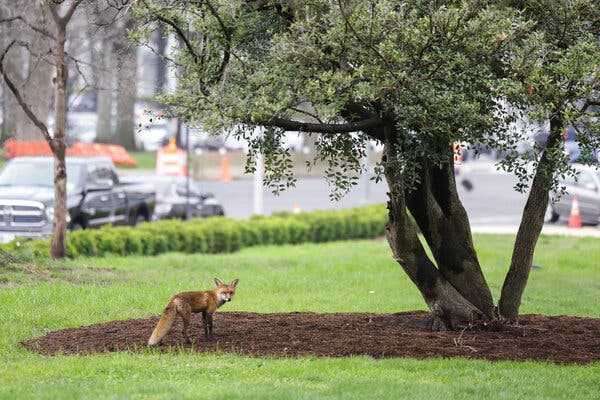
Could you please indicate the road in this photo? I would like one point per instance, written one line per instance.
(491, 201)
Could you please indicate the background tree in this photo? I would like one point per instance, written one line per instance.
(58, 35)
(126, 52)
(101, 36)
(54, 34)
(28, 68)
(414, 75)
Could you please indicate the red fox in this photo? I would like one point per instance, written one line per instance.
(186, 303)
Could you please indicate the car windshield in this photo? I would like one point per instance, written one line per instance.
(37, 173)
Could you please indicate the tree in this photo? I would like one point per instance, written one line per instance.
(26, 67)
(101, 35)
(56, 141)
(126, 84)
(414, 75)
(161, 42)
(113, 63)
(560, 65)
(60, 13)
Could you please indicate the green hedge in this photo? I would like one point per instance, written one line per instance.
(217, 235)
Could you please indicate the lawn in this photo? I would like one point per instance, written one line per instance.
(342, 276)
(144, 159)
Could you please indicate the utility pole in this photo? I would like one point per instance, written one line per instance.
(258, 184)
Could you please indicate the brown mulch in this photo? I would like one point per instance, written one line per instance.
(560, 339)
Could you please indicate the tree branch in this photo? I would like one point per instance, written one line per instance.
(177, 30)
(32, 27)
(312, 115)
(13, 88)
(227, 50)
(71, 10)
(349, 127)
(64, 20)
(55, 16)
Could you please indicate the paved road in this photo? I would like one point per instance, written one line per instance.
(492, 204)
(492, 200)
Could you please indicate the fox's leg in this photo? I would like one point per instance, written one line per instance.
(186, 314)
(205, 323)
(209, 318)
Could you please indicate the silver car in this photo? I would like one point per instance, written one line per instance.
(587, 190)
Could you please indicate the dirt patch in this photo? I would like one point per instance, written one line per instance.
(560, 339)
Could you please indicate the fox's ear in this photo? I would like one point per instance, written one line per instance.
(218, 282)
(234, 282)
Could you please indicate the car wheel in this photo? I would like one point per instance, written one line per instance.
(137, 218)
(551, 216)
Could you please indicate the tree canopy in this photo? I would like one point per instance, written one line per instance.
(444, 70)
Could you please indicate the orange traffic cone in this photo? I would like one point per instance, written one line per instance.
(225, 175)
(171, 147)
(575, 217)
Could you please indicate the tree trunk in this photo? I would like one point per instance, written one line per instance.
(60, 170)
(126, 90)
(10, 107)
(448, 306)
(531, 225)
(40, 83)
(444, 223)
(9, 111)
(104, 132)
(161, 62)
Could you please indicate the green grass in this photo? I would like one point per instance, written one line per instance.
(144, 159)
(325, 278)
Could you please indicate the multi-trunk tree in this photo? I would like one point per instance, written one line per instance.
(414, 75)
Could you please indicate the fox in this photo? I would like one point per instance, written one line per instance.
(186, 303)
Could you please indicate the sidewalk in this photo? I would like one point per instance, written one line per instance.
(559, 230)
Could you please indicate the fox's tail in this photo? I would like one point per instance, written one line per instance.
(164, 325)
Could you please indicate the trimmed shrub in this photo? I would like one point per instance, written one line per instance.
(217, 235)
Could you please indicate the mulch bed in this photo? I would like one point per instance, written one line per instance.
(560, 339)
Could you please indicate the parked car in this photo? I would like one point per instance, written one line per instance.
(173, 198)
(587, 190)
(200, 139)
(207, 205)
(95, 196)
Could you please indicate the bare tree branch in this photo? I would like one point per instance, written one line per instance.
(71, 10)
(30, 25)
(15, 91)
(64, 20)
(52, 7)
